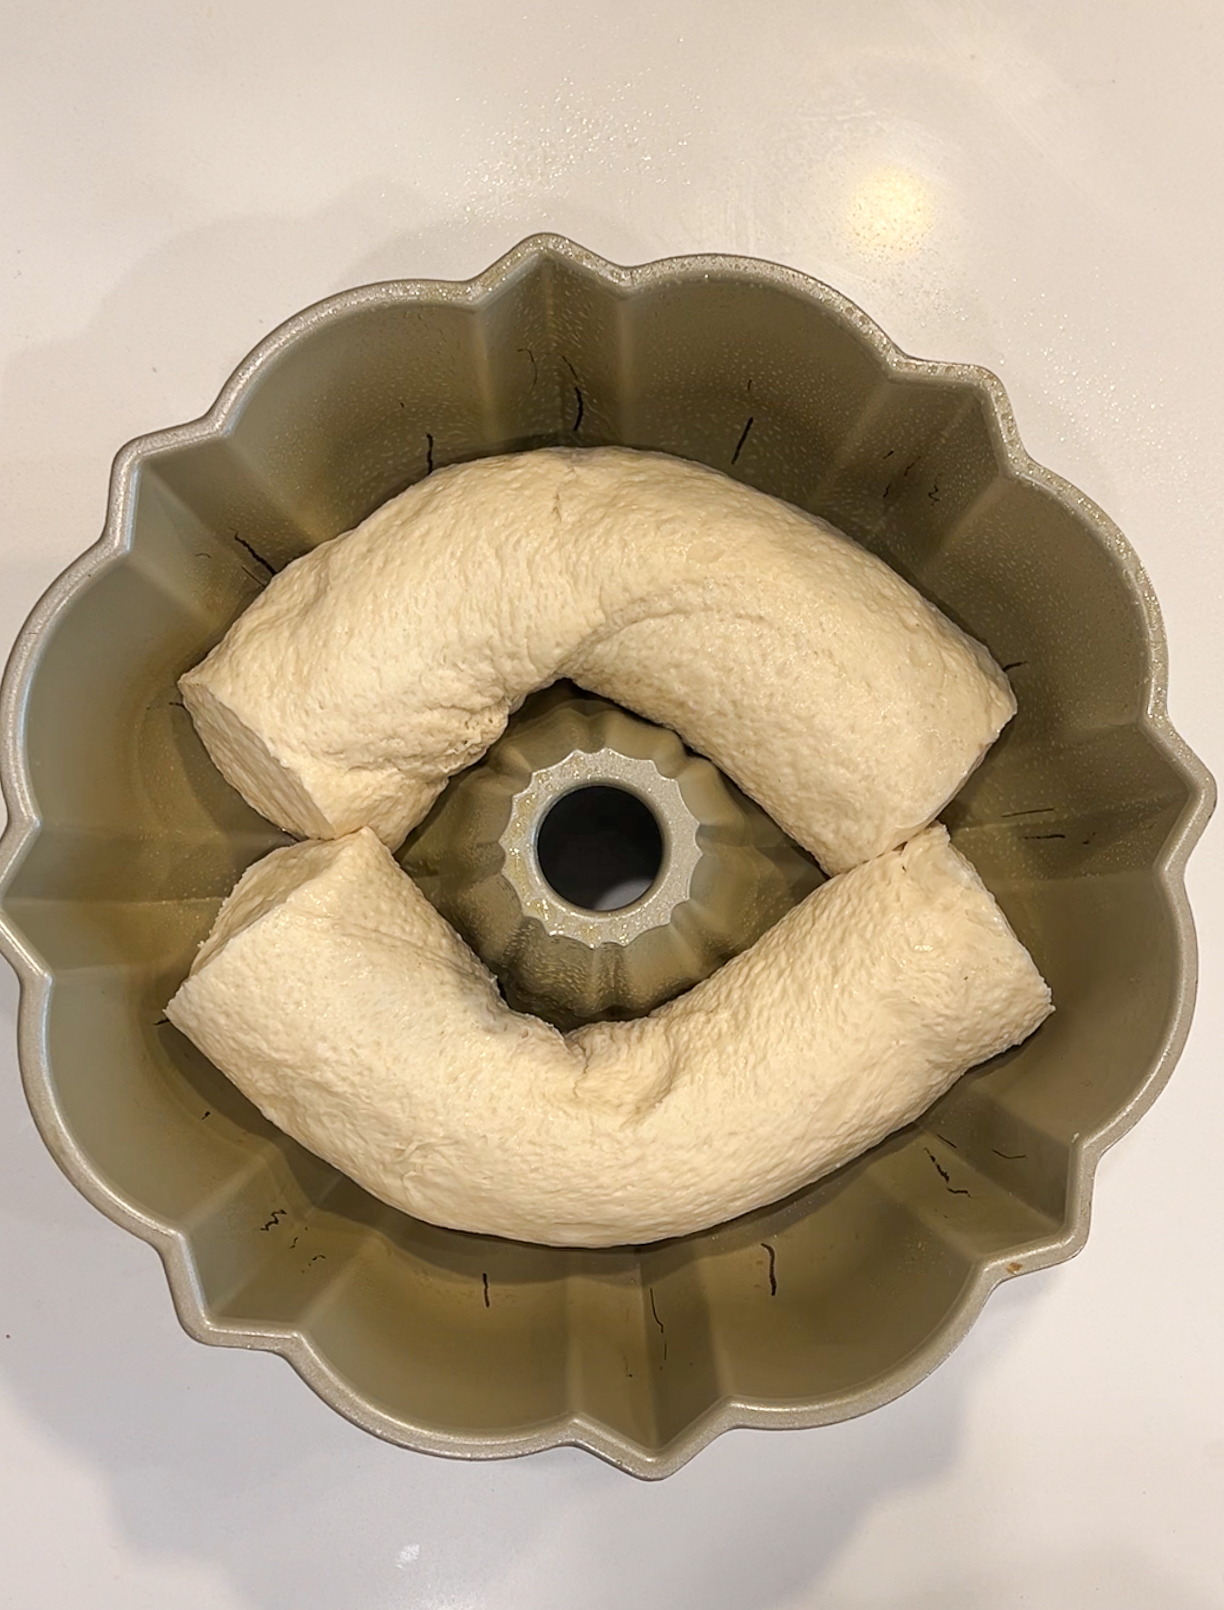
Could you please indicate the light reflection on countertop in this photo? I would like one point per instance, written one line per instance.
(891, 212)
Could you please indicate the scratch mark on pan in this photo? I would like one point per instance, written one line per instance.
(773, 1269)
(256, 556)
(658, 1322)
(939, 1168)
(578, 397)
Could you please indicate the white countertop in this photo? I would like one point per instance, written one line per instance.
(1034, 186)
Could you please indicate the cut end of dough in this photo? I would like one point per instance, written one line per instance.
(246, 761)
(265, 887)
(307, 797)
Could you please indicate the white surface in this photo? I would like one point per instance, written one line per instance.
(1033, 186)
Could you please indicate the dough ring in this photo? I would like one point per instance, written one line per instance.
(373, 668)
(356, 1019)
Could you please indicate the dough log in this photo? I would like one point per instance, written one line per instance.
(372, 669)
(354, 1017)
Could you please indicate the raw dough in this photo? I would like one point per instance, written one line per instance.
(333, 994)
(381, 663)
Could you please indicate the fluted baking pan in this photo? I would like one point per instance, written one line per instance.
(122, 840)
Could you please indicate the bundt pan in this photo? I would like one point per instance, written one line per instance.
(122, 840)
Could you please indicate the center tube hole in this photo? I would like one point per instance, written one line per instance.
(600, 848)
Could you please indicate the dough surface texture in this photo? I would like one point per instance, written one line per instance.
(375, 667)
(355, 1018)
